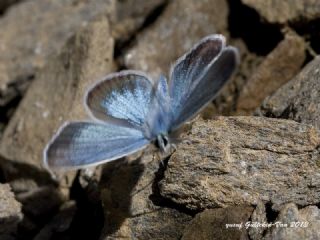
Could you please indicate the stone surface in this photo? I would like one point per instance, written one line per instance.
(57, 93)
(215, 224)
(60, 224)
(283, 63)
(41, 202)
(297, 224)
(28, 41)
(133, 207)
(241, 160)
(4, 4)
(181, 25)
(10, 212)
(299, 99)
(283, 12)
(130, 16)
(258, 216)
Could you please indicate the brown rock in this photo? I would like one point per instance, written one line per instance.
(131, 15)
(133, 207)
(216, 224)
(295, 224)
(283, 12)
(41, 202)
(241, 160)
(283, 63)
(27, 40)
(57, 92)
(182, 24)
(4, 4)
(10, 212)
(299, 99)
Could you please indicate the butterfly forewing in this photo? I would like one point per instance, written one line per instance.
(186, 73)
(123, 98)
(80, 144)
(212, 78)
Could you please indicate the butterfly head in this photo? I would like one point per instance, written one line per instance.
(162, 142)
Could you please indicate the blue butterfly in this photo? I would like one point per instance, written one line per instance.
(130, 111)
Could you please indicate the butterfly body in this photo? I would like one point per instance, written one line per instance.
(130, 111)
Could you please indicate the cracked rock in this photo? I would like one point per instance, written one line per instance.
(86, 57)
(10, 212)
(215, 224)
(130, 16)
(242, 160)
(181, 25)
(133, 208)
(282, 12)
(296, 224)
(283, 63)
(299, 99)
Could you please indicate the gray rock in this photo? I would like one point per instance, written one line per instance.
(258, 216)
(27, 40)
(216, 224)
(242, 160)
(283, 63)
(299, 99)
(133, 207)
(295, 224)
(181, 25)
(57, 93)
(283, 12)
(10, 212)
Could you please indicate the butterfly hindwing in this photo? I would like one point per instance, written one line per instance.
(80, 144)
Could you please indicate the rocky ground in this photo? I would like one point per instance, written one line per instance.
(253, 156)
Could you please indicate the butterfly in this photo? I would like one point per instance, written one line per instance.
(130, 111)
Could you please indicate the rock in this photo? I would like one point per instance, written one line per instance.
(130, 16)
(60, 223)
(258, 216)
(56, 95)
(282, 12)
(299, 99)
(10, 213)
(40, 203)
(169, 37)
(27, 40)
(242, 160)
(215, 224)
(133, 207)
(22, 185)
(283, 63)
(4, 4)
(295, 224)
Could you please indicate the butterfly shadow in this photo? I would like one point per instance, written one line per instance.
(119, 185)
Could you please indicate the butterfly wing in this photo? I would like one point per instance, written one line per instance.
(121, 98)
(82, 144)
(198, 76)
